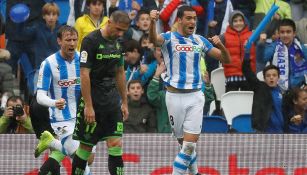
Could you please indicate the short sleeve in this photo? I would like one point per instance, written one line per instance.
(44, 76)
(87, 53)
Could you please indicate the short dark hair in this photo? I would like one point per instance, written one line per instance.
(269, 67)
(130, 45)
(14, 98)
(287, 22)
(141, 12)
(134, 82)
(88, 2)
(120, 16)
(66, 28)
(182, 9)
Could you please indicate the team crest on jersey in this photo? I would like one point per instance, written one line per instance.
(187, 48)
(69, 82)
(83, 57)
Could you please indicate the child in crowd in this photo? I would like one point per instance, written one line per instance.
(289, 55)
(142, 117)
(234, 38)
(91, 21)
(267, 114)
(295, 110)
(141, 27)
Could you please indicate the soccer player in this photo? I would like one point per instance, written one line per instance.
(58, 87)
(182, 51)
(104, 100)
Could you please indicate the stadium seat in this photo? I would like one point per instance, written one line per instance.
(242, 124)
(214, 124)
(234, 103)
(218, 81)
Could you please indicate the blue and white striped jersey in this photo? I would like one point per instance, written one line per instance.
(61, 79)
(182, 59)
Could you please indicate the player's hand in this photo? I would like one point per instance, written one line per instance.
(216, 41)
(160, 69)
(60, 103)
(154, 15)
(89, 115)
(125, 112)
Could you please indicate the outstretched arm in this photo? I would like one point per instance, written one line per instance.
(157, 40)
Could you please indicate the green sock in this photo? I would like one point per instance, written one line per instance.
(57, 155)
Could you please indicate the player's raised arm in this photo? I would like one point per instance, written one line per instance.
(220, 53)
(153, 36)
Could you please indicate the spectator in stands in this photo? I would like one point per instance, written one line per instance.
(136, 70)
(265, 40)
(95, 19)
(266, 110)
(141, 27)
(263, 6)
(247, 7)
(19, 42)
(295, 110)
(141, 115)
(236, 34)
(219, 21)
(45, 33)
(44, 42)
(6, 76)
(289, 55)
(156, 97)
(14, 118)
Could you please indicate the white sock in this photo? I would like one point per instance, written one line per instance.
(57, 145)
(183, 158)
(193, 169)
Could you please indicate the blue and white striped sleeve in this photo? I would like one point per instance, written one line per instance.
(44, 76)
(207, 45)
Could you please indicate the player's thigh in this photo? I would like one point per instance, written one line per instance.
(194, 113)
(176, 112)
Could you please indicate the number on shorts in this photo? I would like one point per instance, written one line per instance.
(171, 118)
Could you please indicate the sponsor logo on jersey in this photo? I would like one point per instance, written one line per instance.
(107, 56)
(187, 48)
(83, 57)
(69, 82)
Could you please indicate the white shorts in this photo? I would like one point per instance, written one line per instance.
(185, 111)
(64, 130)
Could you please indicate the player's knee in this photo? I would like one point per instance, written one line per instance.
(114, 142)
(86, 147)
(188, 147)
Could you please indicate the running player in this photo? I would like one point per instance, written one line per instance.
(58, 87)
